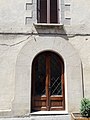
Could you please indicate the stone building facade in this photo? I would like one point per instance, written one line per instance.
(23, 38)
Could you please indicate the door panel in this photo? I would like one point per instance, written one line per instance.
(47, 83)
(39, 103)
(40, 75)
(56, 96)
(39, 84)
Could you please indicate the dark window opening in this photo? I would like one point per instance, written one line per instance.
(53, 11)
(47, 11)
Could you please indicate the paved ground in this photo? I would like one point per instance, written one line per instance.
(51, 117)
(57, 117)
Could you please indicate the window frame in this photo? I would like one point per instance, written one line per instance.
(47, 99)
(48, 13)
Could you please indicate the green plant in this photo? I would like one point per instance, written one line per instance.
(85, 107)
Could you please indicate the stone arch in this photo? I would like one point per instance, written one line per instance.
(73, 76)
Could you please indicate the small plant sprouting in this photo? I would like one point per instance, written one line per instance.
(85, 107)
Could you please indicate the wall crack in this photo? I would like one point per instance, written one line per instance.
(15, 43)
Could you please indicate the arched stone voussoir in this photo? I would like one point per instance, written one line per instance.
(23, 73)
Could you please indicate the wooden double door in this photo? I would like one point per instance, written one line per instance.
(48, 83)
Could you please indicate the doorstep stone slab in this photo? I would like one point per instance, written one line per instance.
(54, 117)
(50, 117)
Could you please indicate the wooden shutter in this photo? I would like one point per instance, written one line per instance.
(45, 14)
(53, 11)
(43, 6)
(42, 11)
(38, 11)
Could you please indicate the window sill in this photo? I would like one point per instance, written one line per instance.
(48, 25)
(44, 28)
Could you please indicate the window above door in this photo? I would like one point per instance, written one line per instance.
(48, 11)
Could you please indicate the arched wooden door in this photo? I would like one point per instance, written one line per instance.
(48, 83)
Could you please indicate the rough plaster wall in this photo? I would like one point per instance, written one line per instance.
(80, 12)
(12, 19)
(82, 45)
(13, 14)
(9, 49)
(80, 17)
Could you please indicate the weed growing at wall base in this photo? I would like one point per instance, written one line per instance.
(85, 107)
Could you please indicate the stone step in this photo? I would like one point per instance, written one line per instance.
(51, 117)
(40, 117)
(46, 117)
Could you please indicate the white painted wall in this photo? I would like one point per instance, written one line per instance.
(13, 13)
(82, 45)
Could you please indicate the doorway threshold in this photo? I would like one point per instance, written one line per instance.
(49, 113)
